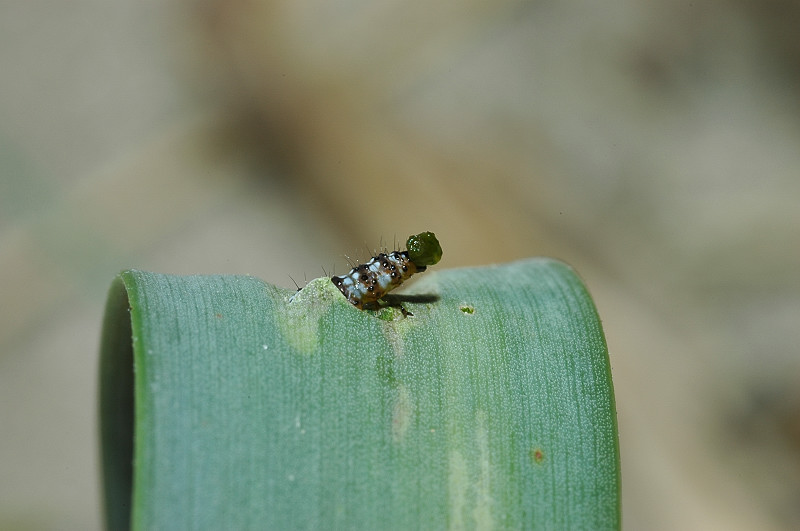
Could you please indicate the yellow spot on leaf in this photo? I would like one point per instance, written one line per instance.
(401, 417)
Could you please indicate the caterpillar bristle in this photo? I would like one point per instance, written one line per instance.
(295, 283)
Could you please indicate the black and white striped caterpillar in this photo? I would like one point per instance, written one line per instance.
(367, 283)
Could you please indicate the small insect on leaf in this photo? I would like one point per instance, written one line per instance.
(367, 283)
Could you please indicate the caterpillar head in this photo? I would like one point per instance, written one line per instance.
(424, 249)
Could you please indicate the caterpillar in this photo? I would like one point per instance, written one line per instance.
(367, 283)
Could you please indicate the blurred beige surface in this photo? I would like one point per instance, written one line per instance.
(652, 145)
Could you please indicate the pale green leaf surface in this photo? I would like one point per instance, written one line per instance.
(258, 408)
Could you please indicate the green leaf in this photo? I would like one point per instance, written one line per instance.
(228, 403)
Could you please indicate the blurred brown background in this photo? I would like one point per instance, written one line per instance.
(655, 146)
